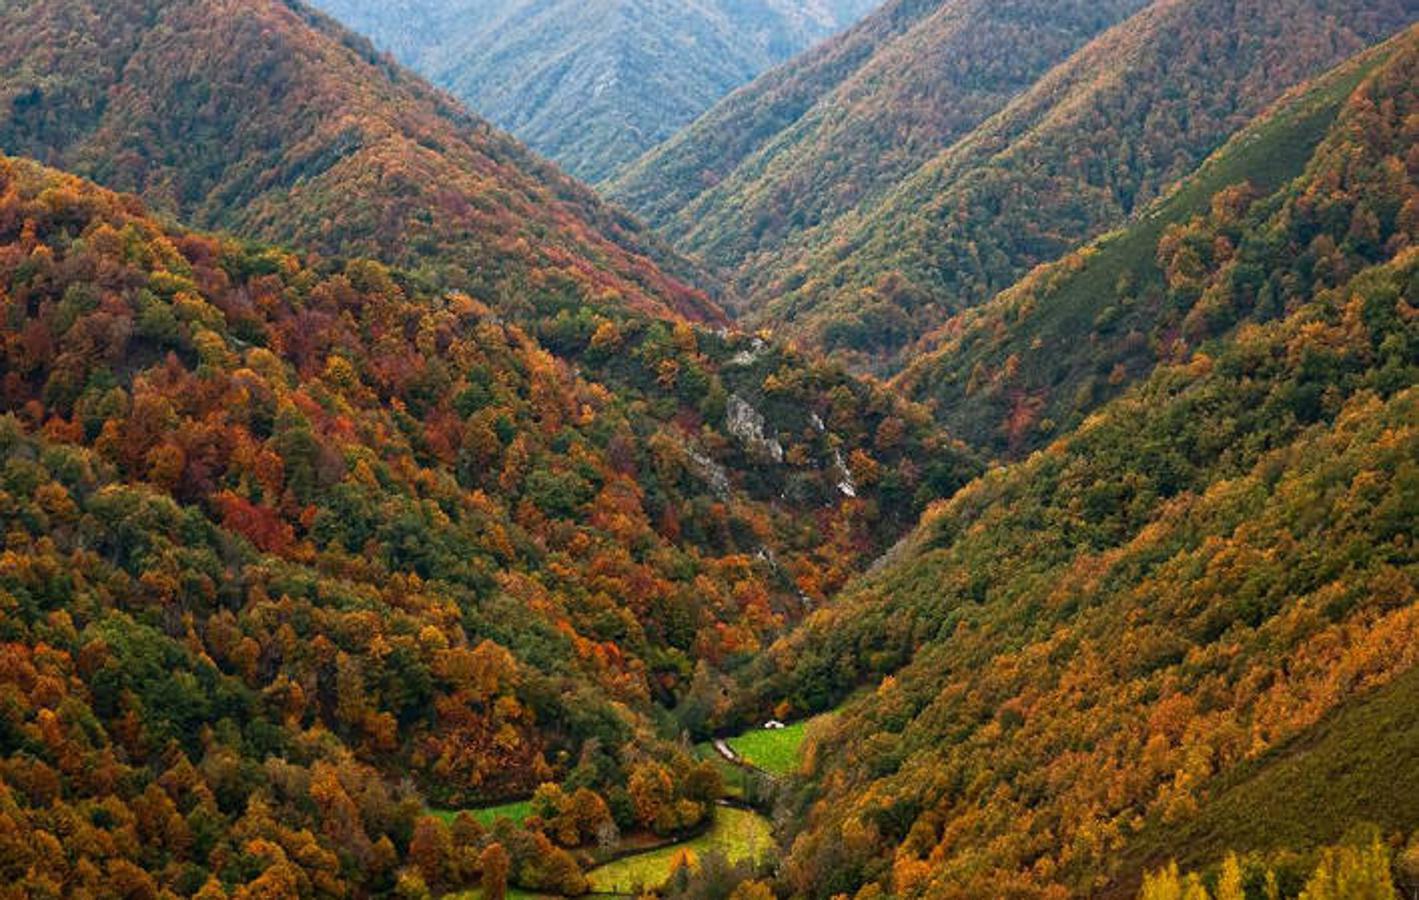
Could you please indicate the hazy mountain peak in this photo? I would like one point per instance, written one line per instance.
(594, 84)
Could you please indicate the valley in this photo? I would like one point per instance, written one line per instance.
(739, 836)
(953, 450)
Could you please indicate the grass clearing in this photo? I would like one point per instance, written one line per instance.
(773, 750)
(738, 834)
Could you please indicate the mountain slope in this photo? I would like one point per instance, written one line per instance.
(673, 175)
(1031, 363)
(294, 548)
(269, 120)
(868, 218)
(903, 85)
(1357, 764)
(1076, 155)
(1096, 646)
(836, 466)
(298, 545)
(594, 86)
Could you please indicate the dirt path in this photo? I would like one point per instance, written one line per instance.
(722, 747)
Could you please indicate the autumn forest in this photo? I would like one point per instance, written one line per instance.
(956, 450)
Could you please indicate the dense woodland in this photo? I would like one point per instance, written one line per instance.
(260, 509)
(266, 119)
(360, 471)
(919, 90)
(1077, 652)
(865, 221)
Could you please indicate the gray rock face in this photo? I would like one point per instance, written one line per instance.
(846, 485)
(747, 423)
(712, 472)
(752, 355)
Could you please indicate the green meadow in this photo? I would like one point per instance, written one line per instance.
(738, 834)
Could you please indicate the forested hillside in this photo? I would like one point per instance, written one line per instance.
(265, 118)
(1178, 619)
(675, 174)
(898, 199)
(918, 90)
(298, 545)
(384, 514)
(1077, 155)
(282, 536)
(594, 85)
(1029, 365)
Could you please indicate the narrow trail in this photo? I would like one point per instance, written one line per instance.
(722, 747)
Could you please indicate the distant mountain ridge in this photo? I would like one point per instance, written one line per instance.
(594, 85)
(865, 213)
(931, 73)
(670, 177)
